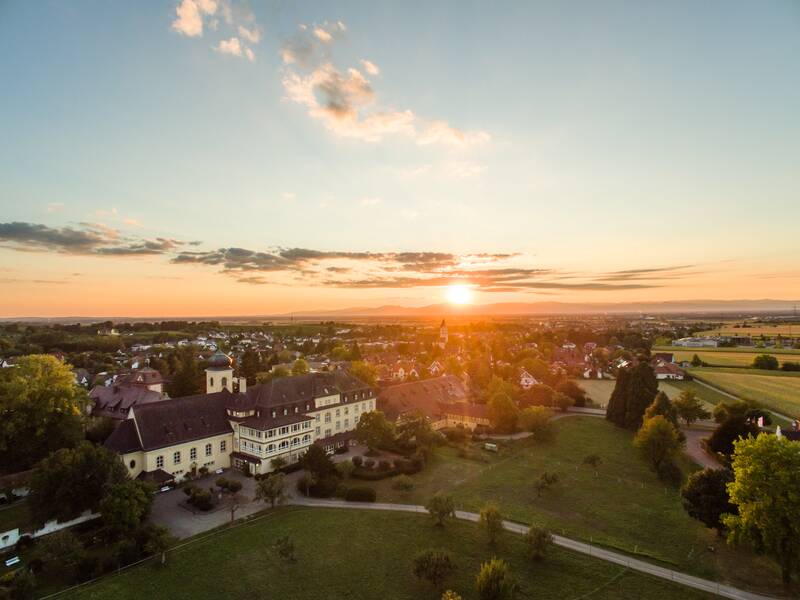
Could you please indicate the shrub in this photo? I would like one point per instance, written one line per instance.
(417, 462)
(384, 465)
(538, 541)
(404, 483)
(441, 507)
(358, 460)
(360, 494)
(536, 419)
(341, 450)
(492, 522)
(434, 566)
(324, 488)
(369, 463)
(494, 581)
(791, 366)
(592, 460)
(765, 361)
(202, 500)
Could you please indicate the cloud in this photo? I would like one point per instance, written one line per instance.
(370, 201)
(251, 35)
(231, 46)
(462, 169)
(189, 19)
(86, 239)
(370, 67)
(288, 196)
(344, 100)
(54, 207)
(249, 54)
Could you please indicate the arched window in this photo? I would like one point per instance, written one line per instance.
(224, 382)
(295, 441)
(283, 444)
(306, 438)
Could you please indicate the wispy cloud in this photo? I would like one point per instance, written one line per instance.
(190, 15)
(370, 201)
(54, 207)
(344, 99)
(193, 16)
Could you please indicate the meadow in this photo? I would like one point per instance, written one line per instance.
(363, 555)
(728, 357)
(622, 505)
(785, 329)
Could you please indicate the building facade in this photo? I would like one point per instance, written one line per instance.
(253, 429)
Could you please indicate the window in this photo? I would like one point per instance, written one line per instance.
(222, 446)
(211, 382)
(327, 417)
(176, 458)
(316, 431)
(283, 445)
(132, 464)
(271, 433)
(338, 412)
(193, 454)
(159, 462)
(338, 425)
(208, 449)
(346, 409)
(271, 448)
(316, 418)
(327, 433)
(296, 427)
(346, 423)
(224, 382)
(284, 430)
(306, 438)
(295, 441)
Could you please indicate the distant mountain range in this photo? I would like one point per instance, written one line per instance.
(502, 309)
(559, 308)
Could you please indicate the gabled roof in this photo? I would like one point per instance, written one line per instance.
(115, 400)
(124, 438)
(424, 396)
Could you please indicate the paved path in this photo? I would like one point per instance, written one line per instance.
(705, 585)
(696, 451)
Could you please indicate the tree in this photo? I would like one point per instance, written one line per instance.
(416, 427)
(188, 379)
(271, 489)
(355, 351)
(434, 566)
(642, 392)
(696, 362)
(306, 482)
(41, 410)
(23, 585)
(618, 402)
(705, 497)
(690, 408)
(284, 548)
(546, 481)
(317, 462)
(73, 480)
(729, 431)
(374, 430)
(277, 463)
(536, 419)
(451, 595)
(158, 540)
(345, 469)
(657, 440)
(540, 395)
(441, 507)
(300, 367)
(766, 491)
(494, 581)
(538, 541)
(765, 361)
(562, 402)
(364, 372)
(574, 391)
(125, 506)
(503, 413)
(251, 365)
(663, 406)
(61, 552)
(491, 521)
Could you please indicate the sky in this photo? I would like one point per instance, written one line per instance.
(215, 157)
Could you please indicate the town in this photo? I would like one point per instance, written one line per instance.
(189, 426)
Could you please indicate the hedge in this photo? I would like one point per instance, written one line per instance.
(360, 494)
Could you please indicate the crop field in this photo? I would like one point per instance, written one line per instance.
(729, 357)
(774, 390)
(785, 329)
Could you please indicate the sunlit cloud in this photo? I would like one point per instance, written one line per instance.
(189, 16)
(370, 67)
(231, 46)
(54, 207)
(370, 201)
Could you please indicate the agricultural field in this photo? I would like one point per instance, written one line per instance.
(778, 391)
(729, 357)
(757, 329)
(363, 555)
(622, 505)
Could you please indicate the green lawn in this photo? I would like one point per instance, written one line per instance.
(623, 507)
(14, 516)
(599, 390)
(776, 390)
(363, 555)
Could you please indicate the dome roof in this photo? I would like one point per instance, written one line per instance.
(220, 360)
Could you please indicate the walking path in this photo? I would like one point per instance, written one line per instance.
(697, 583)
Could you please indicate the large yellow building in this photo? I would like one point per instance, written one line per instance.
(231, 425)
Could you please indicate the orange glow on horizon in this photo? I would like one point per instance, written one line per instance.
(459, 294)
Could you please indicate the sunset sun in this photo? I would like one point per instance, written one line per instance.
(459, 294)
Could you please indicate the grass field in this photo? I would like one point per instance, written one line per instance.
(363, 555)
(729, 357)
(776, 390)
(600, 390)
(623, 506)
(755, 330)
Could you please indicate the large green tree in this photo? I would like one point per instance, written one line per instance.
(766, 491)
(124, 507)
(705, 497)
(188, 379)
(729, 431)
(251, 365)
(503, 413)
(374, 430)
(618, 402)
(657, 440)
(663, 406)
(642, 392)
(41, 410)
(73, 480)
(690, 408)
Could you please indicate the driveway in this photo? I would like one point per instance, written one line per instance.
(696, 451)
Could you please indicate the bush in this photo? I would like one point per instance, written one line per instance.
(341, 450)
(384, 465)
(791, 366)
(373, 474)
(369, 463)
(417, 462)
(360, 494)
(765, 361)
(202, 500)
(670, 473)
(324, 488)
(457, 435)
(358, 461)
(404, 483)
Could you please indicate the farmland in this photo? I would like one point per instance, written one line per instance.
(729, 357)
(774, 390)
